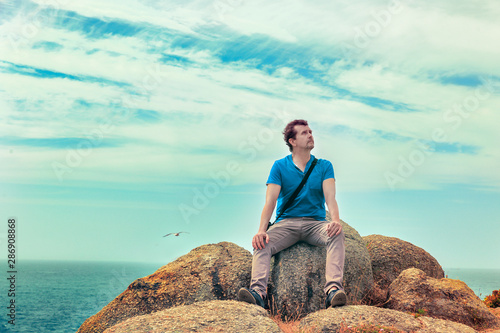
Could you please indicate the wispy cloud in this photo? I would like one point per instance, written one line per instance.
(189, 83)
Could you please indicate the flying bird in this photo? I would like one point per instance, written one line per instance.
(176, 233)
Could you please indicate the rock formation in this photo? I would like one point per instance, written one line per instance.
(390, 256)
(298, 276)
(197, 290)
(208, 316)
(439, 298)
(358, 276)
(333, 319)
(297, 280)
(209, 272)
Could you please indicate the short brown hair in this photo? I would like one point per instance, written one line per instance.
(290, 133)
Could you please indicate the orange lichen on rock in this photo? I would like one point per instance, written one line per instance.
(208, 272)
(390, 256)
(442, 298)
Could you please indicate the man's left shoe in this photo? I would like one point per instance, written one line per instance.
(335, 298)
(251, 296)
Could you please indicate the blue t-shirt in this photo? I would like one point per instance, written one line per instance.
(310, 202)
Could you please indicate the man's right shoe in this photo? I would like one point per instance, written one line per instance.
(250, 296)
(335, 297)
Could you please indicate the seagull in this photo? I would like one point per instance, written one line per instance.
(176, 233)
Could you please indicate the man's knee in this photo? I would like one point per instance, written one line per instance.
(340, 236)
(266, 251)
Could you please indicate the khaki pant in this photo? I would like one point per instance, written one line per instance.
(287, 232)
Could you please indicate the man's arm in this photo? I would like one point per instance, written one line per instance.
(260, 240)
(334, 228)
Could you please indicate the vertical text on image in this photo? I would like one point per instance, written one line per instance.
(11, 270)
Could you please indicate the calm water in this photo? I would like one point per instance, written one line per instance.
(59, 296)
(481, 281)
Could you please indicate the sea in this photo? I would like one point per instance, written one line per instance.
(57, 296)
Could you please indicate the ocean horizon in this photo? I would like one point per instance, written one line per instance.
(481, 280)
(58, 296)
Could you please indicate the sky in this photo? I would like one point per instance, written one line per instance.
(121, 121)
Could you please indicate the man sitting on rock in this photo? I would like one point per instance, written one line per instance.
(303, 219)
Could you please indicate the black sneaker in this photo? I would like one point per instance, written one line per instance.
(334, 298)
(250, 296)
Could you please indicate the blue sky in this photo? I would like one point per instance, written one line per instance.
(122, 121)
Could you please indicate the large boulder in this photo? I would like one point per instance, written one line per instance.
(358, 275)
(414, 291)
(209, 272)
(297, 280)
(208, 316)
(298, 276)
(390, 256)
(341, 318)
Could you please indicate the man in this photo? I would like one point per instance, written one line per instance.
(303, 220)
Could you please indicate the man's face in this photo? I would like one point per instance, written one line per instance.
(304, 137)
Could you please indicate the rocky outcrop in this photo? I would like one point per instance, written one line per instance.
(297, 280)
(447, 299)
(298, 276)
(209, 316)
(334, 319)
(390, 256)
(358, 275)
(217, 271)
(209, 272)
(193, 290)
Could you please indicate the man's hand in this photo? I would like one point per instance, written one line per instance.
(333, 228)
(260, 240)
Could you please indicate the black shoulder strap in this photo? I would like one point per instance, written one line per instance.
(297, 190)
